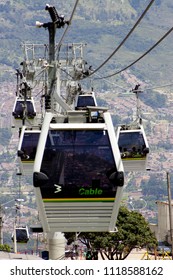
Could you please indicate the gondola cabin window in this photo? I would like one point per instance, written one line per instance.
(132, 145)
(29, 146)
(20, 108)
(84, 101)
(22, 235)
(80, 162)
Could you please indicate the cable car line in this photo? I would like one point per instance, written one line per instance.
(123, 41)
(154, 87)
(146, 89)
(114, 84)
(161, 86)
(128, 92)
(65, 31)
(139, 58)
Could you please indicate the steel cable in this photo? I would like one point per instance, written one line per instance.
(123, 41)
(149, 50)
(65, 31)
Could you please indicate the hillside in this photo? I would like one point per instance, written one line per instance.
(102, 25)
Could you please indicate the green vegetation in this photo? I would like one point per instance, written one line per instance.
(102, 24)
(155, 100)
(133, 231)
(155, 187)
(5, 248)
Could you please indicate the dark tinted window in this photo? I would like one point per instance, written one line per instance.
(29, 145)
(131, 144)
(30, 109)
(78, 161)
(84, 101)
(21, 235)
(18, 113)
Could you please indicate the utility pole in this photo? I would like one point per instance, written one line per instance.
(15, 241)
(56, 239)
(170, 210)
(1, 226)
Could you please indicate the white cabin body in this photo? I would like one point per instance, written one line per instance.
(133, 147)
(78, 173)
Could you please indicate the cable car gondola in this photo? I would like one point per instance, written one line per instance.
(27, 148)
(22, 234)
(20, 110)
(78, 174)
(84, 100)
(133, 147)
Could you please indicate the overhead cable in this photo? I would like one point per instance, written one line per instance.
(114, 84)
(149, 50)
(161, 86)
(65, 31)
(123, 41)
(128, 92)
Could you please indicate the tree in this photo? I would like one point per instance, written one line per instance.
(133, 231)
(5, 247)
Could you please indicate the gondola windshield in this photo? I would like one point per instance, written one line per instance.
(132, 145)
(19, 109)
(84, 101)
(29, 146)
(78, 164)
(22, 235)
